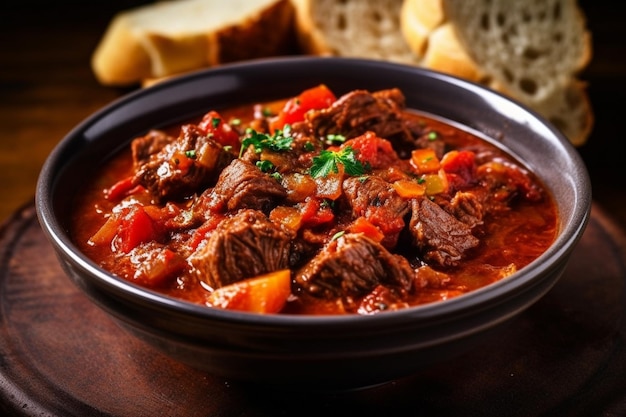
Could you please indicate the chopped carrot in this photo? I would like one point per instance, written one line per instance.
(265, 294)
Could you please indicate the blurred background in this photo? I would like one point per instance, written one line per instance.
(47, 87)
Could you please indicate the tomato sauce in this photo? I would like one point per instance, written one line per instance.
(323, 205)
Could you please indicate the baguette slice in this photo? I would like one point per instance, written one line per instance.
(352, 28)
(170, 37)
(531, 51)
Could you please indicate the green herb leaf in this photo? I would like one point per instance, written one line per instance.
(265, 166)
(279, 141)
(327, 162)
(332, 139)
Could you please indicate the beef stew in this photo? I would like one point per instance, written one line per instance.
(315, 204)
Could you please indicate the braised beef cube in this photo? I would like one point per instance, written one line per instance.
(183, 167)
(361, 111)
(376, 200)
(242, 246)
(392, 96)
(466, 207)
(243, 185)
(442, 238)
(145, 146)
(352, 266)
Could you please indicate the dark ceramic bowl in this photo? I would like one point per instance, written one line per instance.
(331, 351)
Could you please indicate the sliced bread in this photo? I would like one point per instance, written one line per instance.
(531, 51)
(170, 37)
(352, 28)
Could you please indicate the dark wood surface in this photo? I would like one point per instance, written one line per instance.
(568, 357)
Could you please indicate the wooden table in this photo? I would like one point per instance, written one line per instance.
(46, 88)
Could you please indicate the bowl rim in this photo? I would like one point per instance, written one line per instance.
(495, 293)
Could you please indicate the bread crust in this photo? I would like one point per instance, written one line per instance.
(269, 33)
(135, 48)
(451, 44)
(310, 38)
(418, 19)
(446, 54)
(115, 65)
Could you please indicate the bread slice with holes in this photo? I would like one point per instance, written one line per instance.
(532, 51)
(170, 37)
(352, 28)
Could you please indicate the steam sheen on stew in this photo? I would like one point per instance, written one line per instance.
(315, 204)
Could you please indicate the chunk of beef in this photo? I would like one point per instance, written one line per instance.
(243, 185)
(144, 147)
(360, 111)
(441, 237)
(182, 167)
(242, 246)
(376, 200)
(352, 266)
(466, 207)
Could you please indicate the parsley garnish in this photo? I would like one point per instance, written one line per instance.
(279, 141)
(334, 139)
(265, 166)
(328, 161)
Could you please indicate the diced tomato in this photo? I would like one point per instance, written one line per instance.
(362, 225)
(372, 150)
(315, 213)
(222, 132)
(158, 267)
(460, 168)
(135, 227)
(182, 162)
(265, 294)
(121, 189)
(315, 98)
(204, 231)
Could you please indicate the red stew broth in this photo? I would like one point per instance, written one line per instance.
(513, 237)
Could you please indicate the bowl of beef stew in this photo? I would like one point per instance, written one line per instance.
(332, 221)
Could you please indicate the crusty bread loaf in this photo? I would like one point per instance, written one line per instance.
(531, 51)
(352, 28)
(170, 37)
